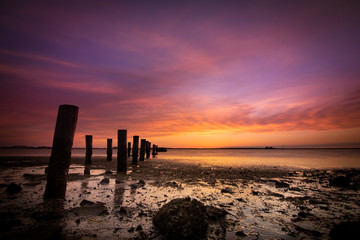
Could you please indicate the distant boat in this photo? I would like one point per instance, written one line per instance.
(162, 149)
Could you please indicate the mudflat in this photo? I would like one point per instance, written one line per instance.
(260, 202)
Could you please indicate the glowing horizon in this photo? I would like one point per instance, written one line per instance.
(235, 74)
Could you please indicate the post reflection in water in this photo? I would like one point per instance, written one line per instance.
(87, 169)
(108, 168)
(119, 195)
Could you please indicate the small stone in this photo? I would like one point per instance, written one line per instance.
(132, 229)
(227, 190)
(86, 203)
(139, 228)
(13, 188)
(240, 234)
(105, 181)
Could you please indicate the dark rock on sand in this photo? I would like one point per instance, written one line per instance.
(346, 230)
(86, 203)
(215, 213)
(13, 188)
(340, 181)
(182, 218)
(227, 190)
(88, 208)
(240, 234)
(105, 181)
(281, 184)
(139, 184)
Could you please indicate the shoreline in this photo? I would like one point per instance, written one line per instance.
(261, 202)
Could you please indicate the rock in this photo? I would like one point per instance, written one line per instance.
(86, 203)
(172, 184)
(13, 188)
(138, 228)
(215, 213)
(313, 233)
(340, 181)
(182, 218)
(241, 200)
(95, 209)
(105, 181)
(281, 184)
(132, 229)
(240, 234)
(139, 184)
(227, 190)
(345, 230)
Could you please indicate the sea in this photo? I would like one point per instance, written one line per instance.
(292, 158)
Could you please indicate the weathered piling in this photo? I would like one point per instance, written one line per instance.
(121, 152)
(135, 150)
(148, 146)
(129, 148)
(88, 140)
(109, 149)
(142, 149)
(153, 150)
(59, 161)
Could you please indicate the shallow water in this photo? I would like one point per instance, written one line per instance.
(294, 158)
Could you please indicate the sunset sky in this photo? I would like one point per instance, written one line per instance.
(182, 74)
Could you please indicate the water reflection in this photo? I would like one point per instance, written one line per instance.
(298, 158)
(87, 169)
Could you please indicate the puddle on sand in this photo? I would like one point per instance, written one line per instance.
(259, 209)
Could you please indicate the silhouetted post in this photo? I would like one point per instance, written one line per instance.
(135, 150)
(129, 148)
(59, 161)
(153, 150)
(148, 146)
(88, 139)
(109, 149)
(121, 154)
(142, 149)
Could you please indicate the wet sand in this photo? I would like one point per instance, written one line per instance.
(262, 202)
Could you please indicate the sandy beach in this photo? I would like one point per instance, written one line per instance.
(261, 202)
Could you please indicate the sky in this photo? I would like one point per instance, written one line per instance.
(182, 74)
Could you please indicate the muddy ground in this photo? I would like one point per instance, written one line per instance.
(262, 202)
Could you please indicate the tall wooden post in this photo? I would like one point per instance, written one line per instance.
(121, 154)
(88, 139)
(153, 150)
(135, 150)
(109, 149)
(142, 149)
(59, 161)
(148, 146)
(129, 148)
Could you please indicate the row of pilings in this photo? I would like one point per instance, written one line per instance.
(123, 150)
(59, 161)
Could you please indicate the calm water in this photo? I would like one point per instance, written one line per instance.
(300, 158)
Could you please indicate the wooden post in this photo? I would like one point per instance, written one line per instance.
(135, 150)
(109, 149)
(59, 161)
(148, 146)
(153, 150)
(88, 140)
(142, 149)
(129, 148)
(121, 154)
